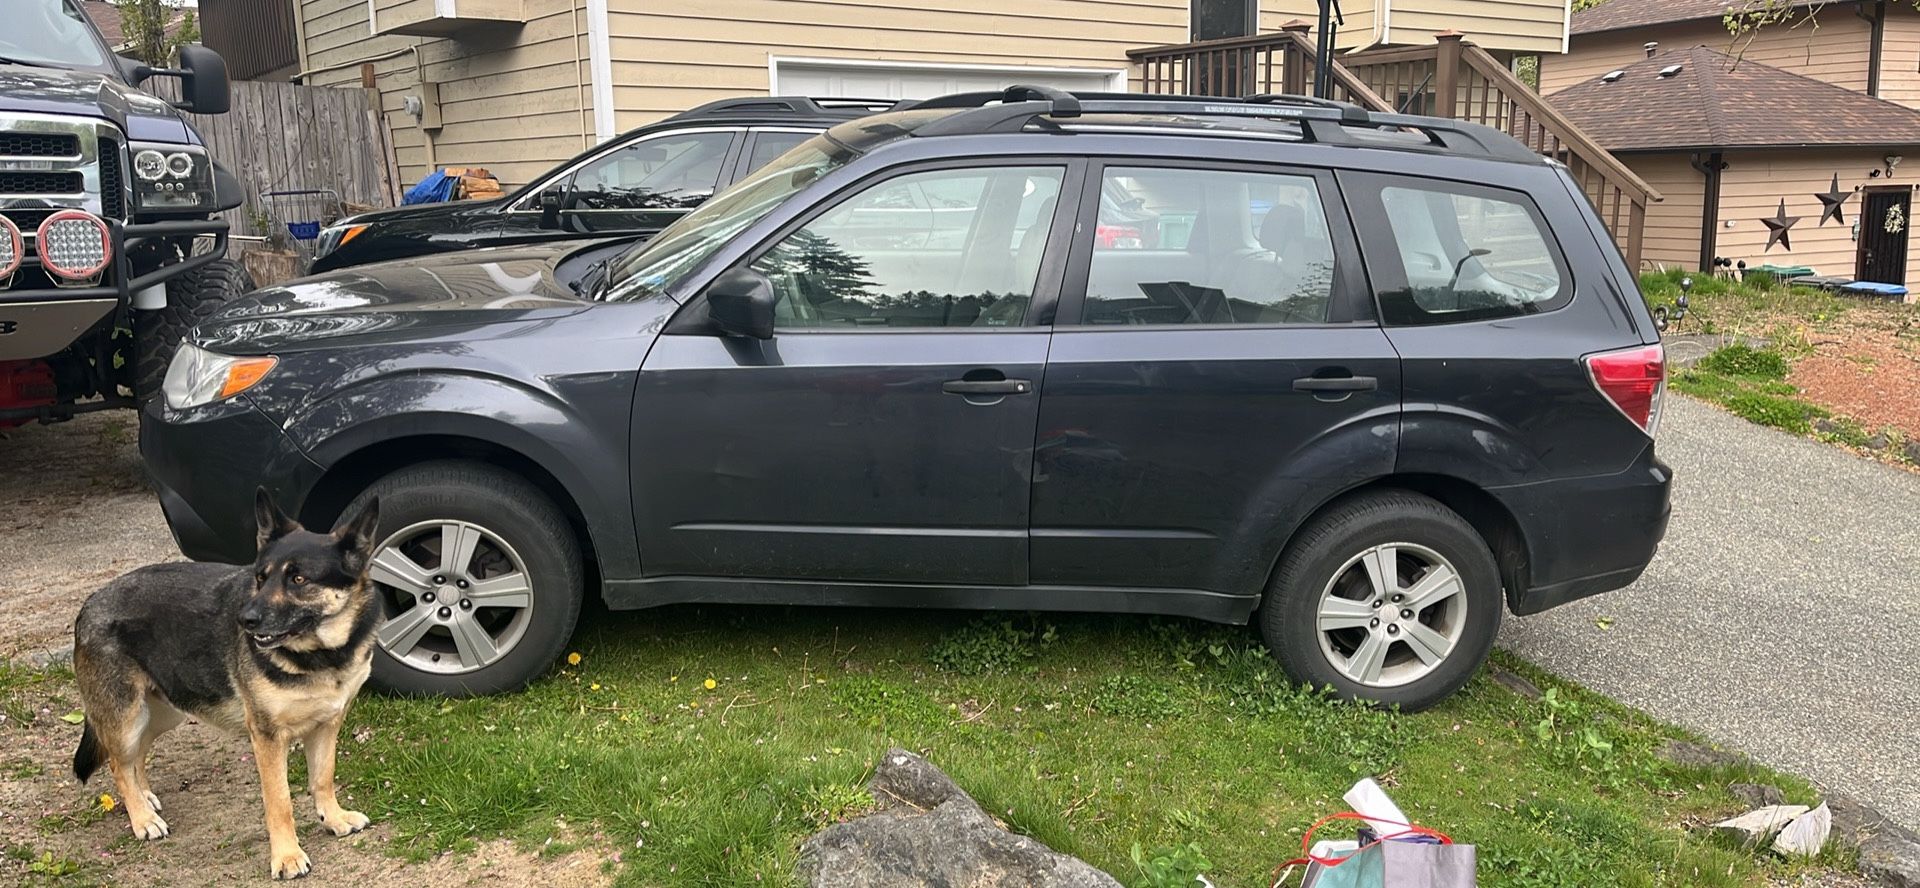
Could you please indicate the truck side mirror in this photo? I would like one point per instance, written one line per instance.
(740, 303)
(204, 88)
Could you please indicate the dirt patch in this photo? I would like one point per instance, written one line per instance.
(75, 512)
(211, 793)
(1868, 372)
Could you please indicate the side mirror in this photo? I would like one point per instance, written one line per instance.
(203, 80)
(550, 209)
(740, 303)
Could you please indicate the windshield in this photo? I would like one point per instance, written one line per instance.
(50, 32)
(698, 235)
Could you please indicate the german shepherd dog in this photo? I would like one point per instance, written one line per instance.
(276, 651)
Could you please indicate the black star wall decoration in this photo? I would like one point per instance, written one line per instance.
(1778, 226)
(1832, 201)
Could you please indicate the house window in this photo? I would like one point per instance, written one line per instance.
(1214, 19)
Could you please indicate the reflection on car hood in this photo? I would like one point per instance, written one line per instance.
(141, 116)
(397, 301)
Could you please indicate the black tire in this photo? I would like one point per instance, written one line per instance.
(521, 515)
(191, 298)
(1321, 553)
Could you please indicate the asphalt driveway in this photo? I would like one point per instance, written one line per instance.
(1782, 617)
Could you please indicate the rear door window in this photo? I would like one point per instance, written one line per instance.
(1444, 252)
(1209, 246)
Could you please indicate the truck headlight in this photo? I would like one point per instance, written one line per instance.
(172, 178)
(198, 376)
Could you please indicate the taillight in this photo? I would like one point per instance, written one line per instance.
(1633, 379)
(11, 250)
(1118, 237)
(74, 245)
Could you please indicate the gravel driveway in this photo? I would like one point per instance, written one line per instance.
(1781, 617)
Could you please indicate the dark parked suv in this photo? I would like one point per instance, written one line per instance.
(1369, 379)
(633, 185)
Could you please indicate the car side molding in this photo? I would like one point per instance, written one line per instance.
(1217, 607)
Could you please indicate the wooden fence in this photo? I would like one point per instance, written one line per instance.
(288, 137)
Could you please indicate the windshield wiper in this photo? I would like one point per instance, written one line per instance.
(593, 280)
(9, 60)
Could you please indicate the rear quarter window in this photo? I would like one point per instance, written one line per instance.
(1442, 252)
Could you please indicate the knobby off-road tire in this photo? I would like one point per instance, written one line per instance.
(191, 298)
(1322, 642)
(519, 529)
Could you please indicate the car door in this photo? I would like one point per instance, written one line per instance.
(1215, 367)
(636, 187)
(885, 433)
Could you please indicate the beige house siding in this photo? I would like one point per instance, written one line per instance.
(669, 57)
(1673, 225)
(1362, 19)
(1900, 57)
(1754, 183)
(1836, 52)
(515, 100)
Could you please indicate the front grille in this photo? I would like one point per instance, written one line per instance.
(28, 221)
(41, 183)
(113, 192)
(39, 145)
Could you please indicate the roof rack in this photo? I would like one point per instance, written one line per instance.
(1321, 120)
(830, 106)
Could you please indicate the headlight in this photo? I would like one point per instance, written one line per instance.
(335, 236)
(172, 178)
(198, 376)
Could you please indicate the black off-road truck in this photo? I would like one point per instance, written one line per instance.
(110, 244)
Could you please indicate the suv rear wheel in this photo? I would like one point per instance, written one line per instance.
(479, 575)
(1390, 597)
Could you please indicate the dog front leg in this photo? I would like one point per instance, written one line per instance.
(320, 748)
(270, 754)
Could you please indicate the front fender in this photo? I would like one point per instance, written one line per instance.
(536, 424)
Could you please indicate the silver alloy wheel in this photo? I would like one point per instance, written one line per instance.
(457, 596)
(1391, 615)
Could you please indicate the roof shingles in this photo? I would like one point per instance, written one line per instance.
(1716, 101)
(1616, 15)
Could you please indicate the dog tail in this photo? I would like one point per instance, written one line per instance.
(88, 757)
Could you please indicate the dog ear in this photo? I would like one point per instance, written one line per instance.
(269, 521)
(355, 535)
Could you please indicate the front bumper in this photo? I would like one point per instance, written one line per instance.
(1588, 535)
(208, 461)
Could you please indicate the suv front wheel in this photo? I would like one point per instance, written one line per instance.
(1389, 597)
(479, 576)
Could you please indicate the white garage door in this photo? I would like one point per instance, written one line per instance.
(797, 78)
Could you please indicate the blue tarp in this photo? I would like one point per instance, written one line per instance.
(437, 187)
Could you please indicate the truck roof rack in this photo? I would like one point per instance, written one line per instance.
(823, 106)
(1320, 120)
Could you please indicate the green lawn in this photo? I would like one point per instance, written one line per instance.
(1089, 733)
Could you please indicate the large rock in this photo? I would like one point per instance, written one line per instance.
(1756, 795)
(1889, 852)
(927, 831)
(1693, 755)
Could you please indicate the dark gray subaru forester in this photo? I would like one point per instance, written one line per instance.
(1373, 378)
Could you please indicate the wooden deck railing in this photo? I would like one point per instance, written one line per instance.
(1452, 78)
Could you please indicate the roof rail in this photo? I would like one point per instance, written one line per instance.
(823, 106)
(1321, 120)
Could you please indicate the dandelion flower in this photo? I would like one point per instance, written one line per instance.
(710, 684)
(573, 659)
(106, 802)
(594, 687)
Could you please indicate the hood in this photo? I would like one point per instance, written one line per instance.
(143, 117)
(405, 300)
(421, 211)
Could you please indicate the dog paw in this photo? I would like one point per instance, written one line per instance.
(346, 823)
(150, 828)
(292, 864)
(152, 800)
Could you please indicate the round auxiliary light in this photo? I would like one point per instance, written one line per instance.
(11, 250)
(150, 165)
(180, 165)
(74, 244)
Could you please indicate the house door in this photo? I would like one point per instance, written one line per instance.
(1884, 218)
